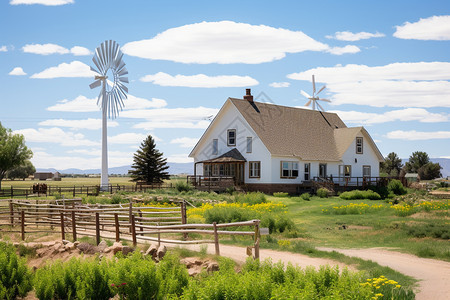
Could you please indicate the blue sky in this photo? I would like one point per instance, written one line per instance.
(386, 65)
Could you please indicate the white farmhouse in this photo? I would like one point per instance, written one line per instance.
(272, 148)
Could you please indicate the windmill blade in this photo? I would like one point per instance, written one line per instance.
(99, 58)
(98, 64)
(314, 85)
(95, 84)
(308, 103)
(94, 70)
(121, 85)
(321, 89)
(124, 71)
(321, 108)
(124, 79)
(305, 94)
(118, 60)
(326, 100)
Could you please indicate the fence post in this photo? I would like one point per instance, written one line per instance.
(74, 226)
(130, 212)
(216, 238)
(22, 222)
(11, 212)
(63, 234)
(183, 217)
(257, 237)
(116, 220)
(159, 235)
(133, 230)
(97, 228)
(12, 192)
(141, 221)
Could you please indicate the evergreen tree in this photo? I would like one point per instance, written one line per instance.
(417, 160)
(392, 164)
(149, 165)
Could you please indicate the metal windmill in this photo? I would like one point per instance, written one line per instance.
(314, 98)
(110, 69)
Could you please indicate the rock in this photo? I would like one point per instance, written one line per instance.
(116, 247)
(65, 242)
(61, 250)
(107, 250)
(151, 251)
(161, 252)
(212, 267)
(86, 248)
(70, 246)
(127, 250)
(56, 247)
(76, 243)
(102, 246)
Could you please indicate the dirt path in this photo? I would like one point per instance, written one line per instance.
(434, 275)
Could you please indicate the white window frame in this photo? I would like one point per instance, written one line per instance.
(249, 144)
(291, 168)
(215, 147)
(254, 169)
(359, 145)
(367, 167)
(307, 171)
(229, 139)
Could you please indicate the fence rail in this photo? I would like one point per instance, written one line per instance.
(130, 222)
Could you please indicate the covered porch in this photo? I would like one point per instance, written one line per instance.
(220, 173)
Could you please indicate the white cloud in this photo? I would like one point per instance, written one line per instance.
(17, 71)
(185, 142)
(200, 80)
(448, 157)
(47, 49)
(408, 114)
(179, 158)
(344, 50)
(55, 135)
(80, 51)
(280, 84)
(92, 124)
(3, 49)
(161, 124)
(172, 114)
(43, 2)
(413, 135)
(130, 138)
(84, 104)
(421, 84)
(223, 42)
(433, 28)
(353, 37)
(73, 69)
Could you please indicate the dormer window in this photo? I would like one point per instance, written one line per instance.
(215, 147)
(359, 145)
(231, 139)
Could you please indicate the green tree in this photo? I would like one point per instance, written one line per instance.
(416, 161)
(149, 165)
(13, 151)
(22, 171)
(392, 164)
(430, 171)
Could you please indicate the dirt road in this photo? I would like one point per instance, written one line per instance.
(433, 274)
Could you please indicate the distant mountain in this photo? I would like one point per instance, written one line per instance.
(174, 169)
(443, 162)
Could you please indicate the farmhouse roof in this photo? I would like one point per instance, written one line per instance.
(231, 156)
(289, 131)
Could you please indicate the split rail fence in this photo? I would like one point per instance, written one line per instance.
(121, 221)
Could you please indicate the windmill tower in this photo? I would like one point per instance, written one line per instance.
(110, 69)
(314, 98)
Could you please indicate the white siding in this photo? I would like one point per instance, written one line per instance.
(368, 158)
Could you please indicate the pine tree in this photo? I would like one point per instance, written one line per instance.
(149, 165)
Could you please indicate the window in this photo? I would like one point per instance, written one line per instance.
(348, 171)
(323, 170)
(359, 145)
(249, 144)
(231, 140)
(254, 169)
(215, 170)
(289, 169)
(307, 168)
(206, 170)
(215, 147)
(366, 171)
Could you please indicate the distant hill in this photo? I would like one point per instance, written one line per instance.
(174, 169)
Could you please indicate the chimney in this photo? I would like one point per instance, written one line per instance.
(248, 95)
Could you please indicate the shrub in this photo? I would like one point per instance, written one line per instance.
(183, 186)
(116, 199)
(280, 194)
(250, 198)
(322, 193)
(395, 186)
(357, 194)
(306, 196)
(15, 277)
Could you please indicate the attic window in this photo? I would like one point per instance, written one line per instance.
(231, 137)
(359, 145)
(215, 147)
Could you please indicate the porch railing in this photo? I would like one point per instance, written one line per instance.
(211, 183)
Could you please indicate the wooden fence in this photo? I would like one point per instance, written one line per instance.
(77, 190)
(157, 224)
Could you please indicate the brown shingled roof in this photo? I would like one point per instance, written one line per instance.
(290, 131)
(231, 156)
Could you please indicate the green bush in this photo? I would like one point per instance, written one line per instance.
(281, 194)
(116, 199)
(306, 196)
(15, 277)
(395, 186)
(250, 198)
(357, 194)
(322, 193)
(183, 186)
(380, 190)
(435, 230)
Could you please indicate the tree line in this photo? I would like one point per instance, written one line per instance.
(419, 162)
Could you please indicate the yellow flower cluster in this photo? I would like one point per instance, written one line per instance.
(353, 208)
(262, 207)
(284, 243)
(408, 209)
(157, 205)
(380, 283)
